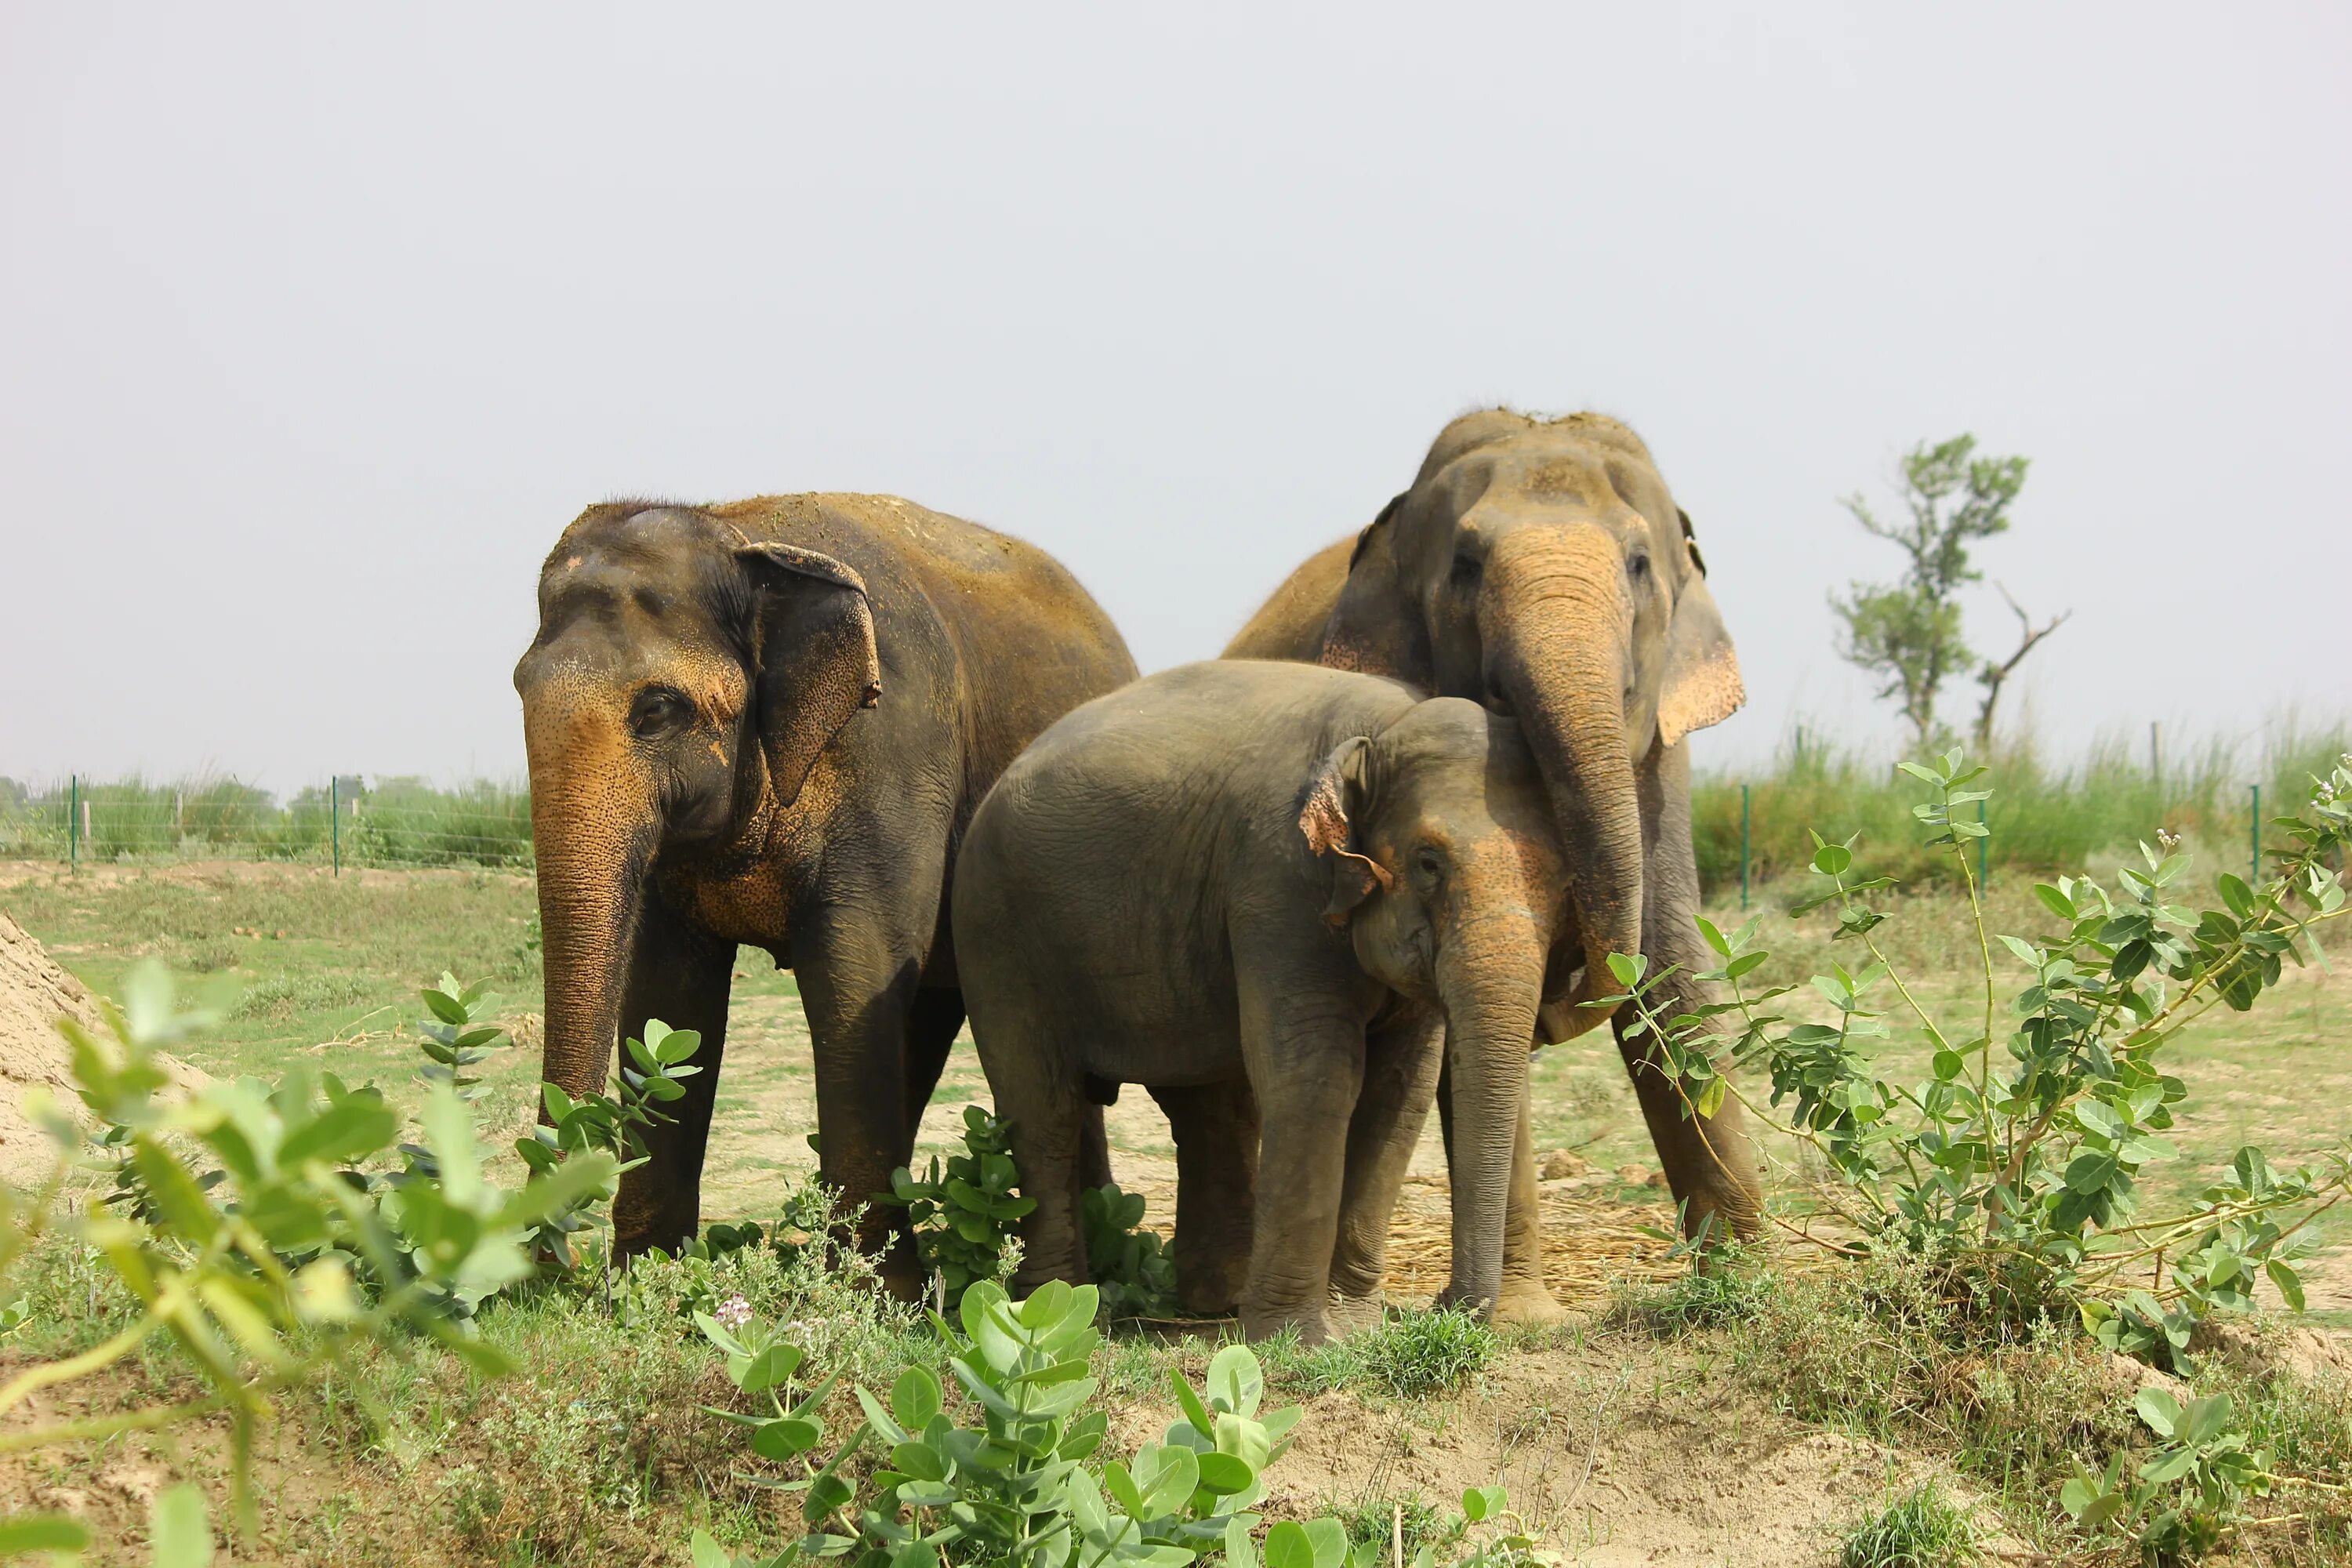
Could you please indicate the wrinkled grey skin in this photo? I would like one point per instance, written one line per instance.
(1541, 567)
(764, 723)
(1282, 889)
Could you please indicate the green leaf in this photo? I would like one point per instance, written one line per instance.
(1288, 1545)
(2055, 901)
(179, 1533)
(706, 1552)
(1832, 859)
(1240, 1551)
(1628, 968)
(786, 1438)
(2237, 895)
(344, 1133)
(2158, 1409)
(24, 1532)
(919, 1460)
(1121, 1483)
(1235, 1383)
(2289, 1283)
(825, 1493)
(770, 1369)
(1329, 1539)
(1225, 1473)
(915, 1398)
(1194, 1411)
(1483, 1502)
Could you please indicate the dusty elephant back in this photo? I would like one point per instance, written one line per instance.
(1172, 796)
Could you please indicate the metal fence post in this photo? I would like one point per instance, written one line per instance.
(2254, 860)
(335, 818)
(73, 821)
(1743, 849)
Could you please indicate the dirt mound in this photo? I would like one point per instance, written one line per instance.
(35, 993)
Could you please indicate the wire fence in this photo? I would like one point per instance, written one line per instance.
(2219, 802)
(1748, 830)
(347, 821)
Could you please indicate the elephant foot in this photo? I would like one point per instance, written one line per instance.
(1212, 1287)
(1453, 1296)
(1258, 1323)
(1353, 1314)
(1528, 1301)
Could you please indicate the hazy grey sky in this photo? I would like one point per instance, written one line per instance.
(314, 330)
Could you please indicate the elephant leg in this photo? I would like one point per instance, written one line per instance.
(931, 1029)
(681, 976)
(1093, 1148)
(1216, 1131)
(1709, 1161)
(1401, 1059)
(1306, 1062)
(1047, 1110)
(858, 987)
(1525, 1298)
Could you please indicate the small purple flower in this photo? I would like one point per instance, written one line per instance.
(733, 1313)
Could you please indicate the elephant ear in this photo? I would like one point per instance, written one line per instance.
(818, 663)
(1335, 796)
(1702, 684)
(1376, 625)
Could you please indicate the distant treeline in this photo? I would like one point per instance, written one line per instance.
(367, 822)
(2046, 818)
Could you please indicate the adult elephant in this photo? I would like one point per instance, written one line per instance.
(768, 723)
(1541, 567)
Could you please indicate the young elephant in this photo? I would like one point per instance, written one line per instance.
(1277, 883)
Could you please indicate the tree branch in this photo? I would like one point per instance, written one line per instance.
(2028, 637)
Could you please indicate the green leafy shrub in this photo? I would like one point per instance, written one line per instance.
(276, 1263)
(2012, 1172)
(1016, 1486)
(1130, 1266)
(966, 1217)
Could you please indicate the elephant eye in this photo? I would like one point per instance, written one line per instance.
(1433, 865)
(1466, 567)
(658, 711)
(1637, 565)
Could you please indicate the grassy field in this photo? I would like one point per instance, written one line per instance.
(597, 1453)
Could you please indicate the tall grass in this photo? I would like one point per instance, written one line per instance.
(2045, 817)
(393, 822)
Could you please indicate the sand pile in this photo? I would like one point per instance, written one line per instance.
(34, 993)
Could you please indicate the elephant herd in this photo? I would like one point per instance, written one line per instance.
(1370, 857)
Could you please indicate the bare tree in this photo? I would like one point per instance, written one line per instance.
(1992, 675)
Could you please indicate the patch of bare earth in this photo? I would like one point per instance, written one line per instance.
(35, 993)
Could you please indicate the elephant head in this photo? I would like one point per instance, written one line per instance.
(682, 685)
(1541, 567)
(1446, 869)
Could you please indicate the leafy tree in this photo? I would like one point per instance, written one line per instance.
(1909, 631)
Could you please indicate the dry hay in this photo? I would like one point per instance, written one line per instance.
(1591, 1240)
(35, 993)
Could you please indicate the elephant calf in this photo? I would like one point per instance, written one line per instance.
(1269, 891)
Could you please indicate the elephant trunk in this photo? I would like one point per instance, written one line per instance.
(1557, 621)
(1489, 988)
(593, 827)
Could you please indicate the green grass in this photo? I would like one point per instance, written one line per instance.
(2045, 817)
(401, 821)
(1412, 1355)
(1921, 1528)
